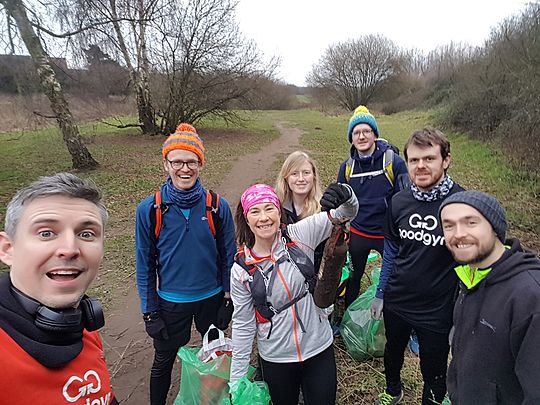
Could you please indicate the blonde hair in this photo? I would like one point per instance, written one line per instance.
(284, 192)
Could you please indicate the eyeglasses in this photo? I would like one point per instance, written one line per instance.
(365, 132)
(179, 164)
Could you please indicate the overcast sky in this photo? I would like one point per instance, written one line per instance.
(299, 31)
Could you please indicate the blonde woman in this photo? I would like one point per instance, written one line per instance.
(299, 190)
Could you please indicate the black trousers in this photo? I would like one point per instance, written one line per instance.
(178, 318)
(359, 248)
(434, 350)
(316, 376)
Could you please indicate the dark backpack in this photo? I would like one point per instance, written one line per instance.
(159, 209)
(261, 281)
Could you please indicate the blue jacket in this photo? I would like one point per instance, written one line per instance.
(373, 192)
(190, 264)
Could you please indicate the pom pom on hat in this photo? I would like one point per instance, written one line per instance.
(183, 127)
(362, 115)
(185, 137)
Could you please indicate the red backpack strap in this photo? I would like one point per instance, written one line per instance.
(212, 206)
(159, 213)
(240, 259)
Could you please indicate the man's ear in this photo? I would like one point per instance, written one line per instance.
(446, 161)
(6, 248)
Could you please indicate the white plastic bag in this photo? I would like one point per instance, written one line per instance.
(218, 347)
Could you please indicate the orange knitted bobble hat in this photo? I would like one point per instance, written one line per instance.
(185, 137)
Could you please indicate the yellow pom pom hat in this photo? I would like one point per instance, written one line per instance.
(362, 115)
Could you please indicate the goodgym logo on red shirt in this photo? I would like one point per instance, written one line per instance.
(77, 388)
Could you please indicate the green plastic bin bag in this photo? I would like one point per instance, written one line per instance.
(203, 383)
(246, 392)
(206, 383)
(363, 336)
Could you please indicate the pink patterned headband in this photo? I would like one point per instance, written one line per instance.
(258, 194)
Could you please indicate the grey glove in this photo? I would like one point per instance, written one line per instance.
(335, 195)
(376, 308)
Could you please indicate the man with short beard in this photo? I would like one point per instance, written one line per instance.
(417, 283)
(495, 356)
(50, 350)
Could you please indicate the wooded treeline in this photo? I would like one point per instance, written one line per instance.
(181, 60)
(186, 60)
(491, 91)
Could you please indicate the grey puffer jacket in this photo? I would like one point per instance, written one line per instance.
(300, 331)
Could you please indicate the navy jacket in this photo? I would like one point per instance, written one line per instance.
(373, 192)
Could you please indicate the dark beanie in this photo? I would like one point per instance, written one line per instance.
(486, 204)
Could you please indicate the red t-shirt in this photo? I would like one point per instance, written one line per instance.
(85, 380)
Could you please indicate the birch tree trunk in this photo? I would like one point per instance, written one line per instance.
(80, 155)
(138, 75)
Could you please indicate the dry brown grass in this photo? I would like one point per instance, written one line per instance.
(18, 113)
(361, 382)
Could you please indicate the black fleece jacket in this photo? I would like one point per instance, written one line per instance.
(496, 340)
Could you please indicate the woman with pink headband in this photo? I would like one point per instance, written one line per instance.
(272, 281)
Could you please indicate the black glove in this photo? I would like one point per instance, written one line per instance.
(155, 326)
(224, 314)
(335, 195)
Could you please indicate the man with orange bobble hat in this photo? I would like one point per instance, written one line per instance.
(183, 269)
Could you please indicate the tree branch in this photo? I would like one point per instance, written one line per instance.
(44, 115)
(78, 31)
(122, 125)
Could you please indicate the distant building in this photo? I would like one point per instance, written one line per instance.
(101, 77)
(18, 74)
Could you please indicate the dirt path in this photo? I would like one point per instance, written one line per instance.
(257, 166)
(127, 347)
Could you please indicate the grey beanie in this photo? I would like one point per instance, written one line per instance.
(486, 204)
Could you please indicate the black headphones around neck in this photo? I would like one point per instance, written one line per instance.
(88, 315)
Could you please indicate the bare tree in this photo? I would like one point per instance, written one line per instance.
(444, 62)
(353, 71)
(494, 94)
(120, 27)
(203, 63)
(139, 71)
(80, 155)
(192, 52)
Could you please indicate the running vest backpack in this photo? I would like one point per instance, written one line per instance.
(261, 281)
(387, 165)
(159, 209)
